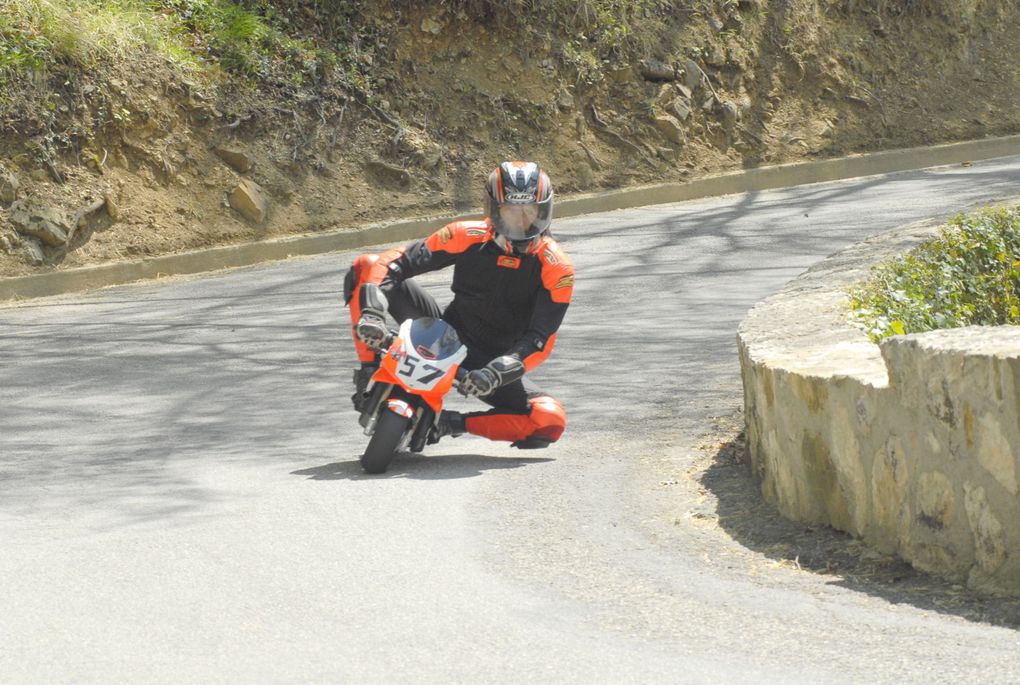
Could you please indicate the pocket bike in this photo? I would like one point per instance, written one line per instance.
(420, 363)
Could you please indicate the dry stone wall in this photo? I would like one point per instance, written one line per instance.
(912, 445)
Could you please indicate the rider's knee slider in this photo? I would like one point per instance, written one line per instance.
(549, 418)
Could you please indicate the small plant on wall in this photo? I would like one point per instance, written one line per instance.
(969, 274)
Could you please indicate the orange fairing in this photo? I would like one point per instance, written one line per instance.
(458, 236)
(557, 272)
(389, 369)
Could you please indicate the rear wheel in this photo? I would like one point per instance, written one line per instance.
(383, 445)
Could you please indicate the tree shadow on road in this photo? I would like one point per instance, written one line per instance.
(842, 559)
(440, 467)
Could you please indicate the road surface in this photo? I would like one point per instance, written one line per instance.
(181, 501)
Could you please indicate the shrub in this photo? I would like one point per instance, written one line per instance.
(969, 274)
(38, 34)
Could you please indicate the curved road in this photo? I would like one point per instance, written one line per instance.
(180, 499)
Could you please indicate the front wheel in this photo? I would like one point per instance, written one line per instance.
(383, 445)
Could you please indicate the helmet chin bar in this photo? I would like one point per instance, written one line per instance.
(519, 247)
(525, 246)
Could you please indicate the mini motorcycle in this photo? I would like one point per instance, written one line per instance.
(420, 363)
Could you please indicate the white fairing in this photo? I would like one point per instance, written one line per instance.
(419, 373)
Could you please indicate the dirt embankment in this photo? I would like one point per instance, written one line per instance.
(134, 160)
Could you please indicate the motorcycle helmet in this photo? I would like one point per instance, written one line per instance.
(519, 203)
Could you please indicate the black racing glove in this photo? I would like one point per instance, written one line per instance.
(371, 327)
(497, 373)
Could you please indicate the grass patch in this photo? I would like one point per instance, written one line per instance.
(268, 41)
(968, 275)
(41, 34)
(38, 37)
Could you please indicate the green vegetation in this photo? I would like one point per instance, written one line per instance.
(41, 34)
(40, 37)
(254, 38)
(968, 275)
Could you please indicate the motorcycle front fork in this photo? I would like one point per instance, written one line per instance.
(370, 414)
(424, 417)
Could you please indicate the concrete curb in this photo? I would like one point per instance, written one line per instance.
(765, 178)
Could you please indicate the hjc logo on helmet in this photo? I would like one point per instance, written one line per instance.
(521, 197)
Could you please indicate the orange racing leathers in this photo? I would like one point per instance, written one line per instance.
(503, 304)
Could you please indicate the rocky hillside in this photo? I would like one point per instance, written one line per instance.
(144, 127)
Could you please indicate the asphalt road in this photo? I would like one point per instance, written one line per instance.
(180, 497)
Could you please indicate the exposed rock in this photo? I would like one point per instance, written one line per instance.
(112, 208)
(430, 157)
(388, 174)
(9, 242)
(716, 56)
(693, 75)
(680, 108)
(670, 128)
(565, 101)
(656, 70)
(249, 200)
(8, 186)
(33, 252)
(237, 160)
(667, 92)
(48, 224)
(731, 114)
(429, 25)
(85, 217)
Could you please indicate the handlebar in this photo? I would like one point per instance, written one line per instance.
(387, 341)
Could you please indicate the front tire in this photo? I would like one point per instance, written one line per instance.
(383, 445)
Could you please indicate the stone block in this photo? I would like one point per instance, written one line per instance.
(237, 160)
(249, 200)
(48, 224)
(9, 186)
(670, 128)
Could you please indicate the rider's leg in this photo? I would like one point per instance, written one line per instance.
(522, 414)
(355, 276)
(406, 301)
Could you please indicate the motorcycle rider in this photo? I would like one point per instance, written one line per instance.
(512, 284)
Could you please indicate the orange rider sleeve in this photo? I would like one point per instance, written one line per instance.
(557, 290)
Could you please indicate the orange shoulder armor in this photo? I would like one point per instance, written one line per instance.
(458, 236)
(557, 271)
